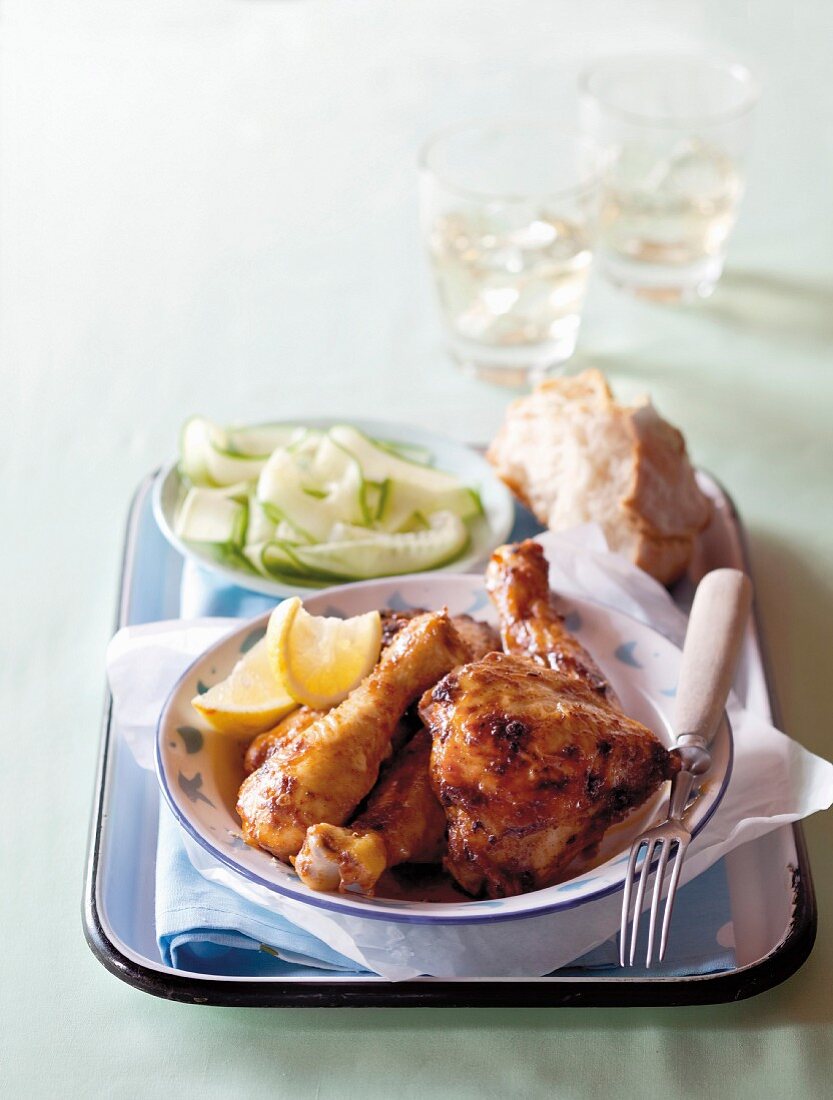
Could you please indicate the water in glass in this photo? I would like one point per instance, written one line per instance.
(508, 283)
(673, 211)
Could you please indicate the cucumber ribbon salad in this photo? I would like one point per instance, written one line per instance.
(312, 507)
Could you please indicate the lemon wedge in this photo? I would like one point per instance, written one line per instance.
(250, 700)
(320, 660)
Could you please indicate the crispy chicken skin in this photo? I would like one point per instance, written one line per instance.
(479, 638)
(532, 767)
(517, 581)
(323, 772)
(403, 823)
(266, 743)
(532, 758)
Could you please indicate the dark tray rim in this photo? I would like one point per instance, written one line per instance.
(749, 981)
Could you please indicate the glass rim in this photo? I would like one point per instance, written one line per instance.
(508, 123)
(732, 67)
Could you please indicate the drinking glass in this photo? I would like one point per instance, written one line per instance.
(509, 212)
(676, 128)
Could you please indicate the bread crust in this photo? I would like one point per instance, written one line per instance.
(570, 433)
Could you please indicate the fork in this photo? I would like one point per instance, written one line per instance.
(712, 646)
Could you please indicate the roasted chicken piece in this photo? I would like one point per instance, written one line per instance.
(532, 767)
(517, 581)
(324, 771)
(478, 637)
(266, 743)
(403, 823)
(262, 747)
(532, 758)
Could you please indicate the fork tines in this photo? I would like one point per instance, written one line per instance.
(656, 848)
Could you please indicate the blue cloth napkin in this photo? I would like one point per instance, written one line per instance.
(205, 928)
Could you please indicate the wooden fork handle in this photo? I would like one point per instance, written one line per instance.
(710, 654)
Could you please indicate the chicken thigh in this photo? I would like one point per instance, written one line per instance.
(532, 758)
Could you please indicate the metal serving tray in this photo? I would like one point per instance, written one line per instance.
(770, 891)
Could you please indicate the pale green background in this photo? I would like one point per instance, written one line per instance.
(210, 205)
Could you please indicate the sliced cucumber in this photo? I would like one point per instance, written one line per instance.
(261, 526)
(268, 559)
(252, 552)
(280, 490)
(280, 556)
(304, 441)
(405, 499)
(279, 560)
(225, 468)
(271, 557)
(380, 555)
(259, 440)
(283, 484)
(211, 456)
(285, 532)
(345, 500)
(349, 532)
(410, 452)
(194, 444)
(232, 556)
(208, 516)
(375, 498)
(309, 507)
(418, 521)
(378, 464)
(337, 471)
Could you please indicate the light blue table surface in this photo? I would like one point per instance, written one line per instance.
(210, 205)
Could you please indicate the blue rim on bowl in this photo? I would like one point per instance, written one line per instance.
(641, 663)
(448, 455)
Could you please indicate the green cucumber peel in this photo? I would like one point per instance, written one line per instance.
(408, 452)
(278, 516)
(223, 554)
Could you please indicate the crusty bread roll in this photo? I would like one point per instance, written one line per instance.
(572, 455)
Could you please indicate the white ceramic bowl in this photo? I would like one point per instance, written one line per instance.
(200, 770)
(472, 469)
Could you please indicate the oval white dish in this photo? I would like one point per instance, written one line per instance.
(452, 457)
